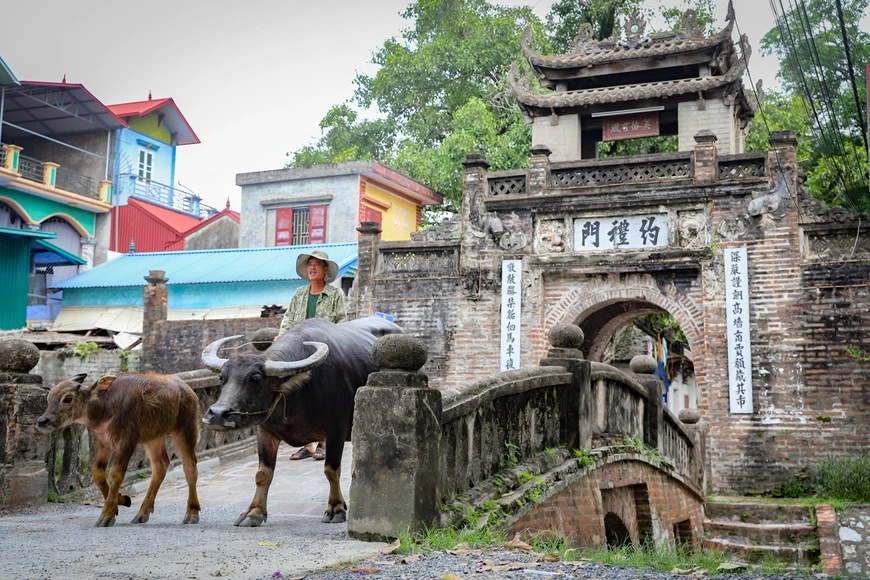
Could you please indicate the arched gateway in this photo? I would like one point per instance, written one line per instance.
(770, 289)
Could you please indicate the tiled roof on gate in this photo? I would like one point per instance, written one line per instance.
(594, 52)
(622, 93)
(209, 266)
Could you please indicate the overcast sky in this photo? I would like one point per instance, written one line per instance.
(252, 78)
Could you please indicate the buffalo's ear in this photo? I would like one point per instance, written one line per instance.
(102, 384)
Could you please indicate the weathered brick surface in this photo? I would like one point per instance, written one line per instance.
(631, 490)
(809, 304)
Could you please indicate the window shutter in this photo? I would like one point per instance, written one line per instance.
(283, 226)
(317, 224)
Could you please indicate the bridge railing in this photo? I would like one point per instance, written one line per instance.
(501, 418)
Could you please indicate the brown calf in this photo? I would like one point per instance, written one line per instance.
(122, 413)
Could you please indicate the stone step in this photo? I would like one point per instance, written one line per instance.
(766, 533)
(757, 513)
(804, 553)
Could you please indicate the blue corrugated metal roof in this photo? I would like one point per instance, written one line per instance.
(210, 266)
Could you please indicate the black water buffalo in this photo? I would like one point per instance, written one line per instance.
(300, 389)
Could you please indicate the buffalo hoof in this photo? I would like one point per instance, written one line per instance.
(191, 519)
(124, 500)
(105, 523)
(140, 519)
(253, 521)
(338, 517)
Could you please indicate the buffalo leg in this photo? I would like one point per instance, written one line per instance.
(159, 459)
(116, 477)
(102, 454)
(185, 442)
(267, 450)
(336, 511)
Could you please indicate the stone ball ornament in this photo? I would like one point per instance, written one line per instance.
(400, 352)
(643, 364)
(689, 416)
(17, 355)
(263, 338)
(566, 336)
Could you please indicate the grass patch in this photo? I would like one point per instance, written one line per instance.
(837, 480)
(449, 539)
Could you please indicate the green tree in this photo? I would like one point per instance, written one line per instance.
(454, 51)
(345, 138)
(813, 64)
(566, 16)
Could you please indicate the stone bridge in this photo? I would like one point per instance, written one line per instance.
(571, 446)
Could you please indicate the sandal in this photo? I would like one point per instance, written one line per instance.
(303, 453)
(320, 452)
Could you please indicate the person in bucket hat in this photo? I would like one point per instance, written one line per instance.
(316, 300)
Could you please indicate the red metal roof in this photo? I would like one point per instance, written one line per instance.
(152, 228)
(137, 108)
(233, 215)
(178, 125)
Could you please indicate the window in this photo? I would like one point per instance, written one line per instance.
(300, 225)
(146, 162)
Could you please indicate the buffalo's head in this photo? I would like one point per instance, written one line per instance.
(68, 400)
(252, 384)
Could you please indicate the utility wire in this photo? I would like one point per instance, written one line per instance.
(788, 38)
(848, 50)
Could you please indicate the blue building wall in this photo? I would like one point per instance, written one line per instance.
(190, 295)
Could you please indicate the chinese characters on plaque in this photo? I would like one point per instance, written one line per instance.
(737, 329)
(630, 232)
(511, 307)
(630, 126)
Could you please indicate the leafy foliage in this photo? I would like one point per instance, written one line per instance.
(836, 477)
(82, 349)
(814, 65)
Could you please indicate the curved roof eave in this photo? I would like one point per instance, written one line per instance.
(608, 52)
(621, 93)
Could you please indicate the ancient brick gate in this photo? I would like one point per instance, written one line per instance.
(808, 291)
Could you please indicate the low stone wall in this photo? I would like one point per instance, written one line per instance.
(57, 365)
(854, 536)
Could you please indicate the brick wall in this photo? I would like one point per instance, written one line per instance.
(56, 365)
(645, 499)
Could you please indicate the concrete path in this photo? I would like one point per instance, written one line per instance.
(59, 540)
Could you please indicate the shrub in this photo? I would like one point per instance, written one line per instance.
(837, 477)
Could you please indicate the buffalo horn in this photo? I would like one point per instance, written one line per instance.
(284, 369)
(210, 356)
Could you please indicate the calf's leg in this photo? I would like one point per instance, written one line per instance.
(159, 458)
(267, 450)
(185, 442)
(116, 477)
(102, 454)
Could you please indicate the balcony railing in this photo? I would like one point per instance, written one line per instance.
(130, 184)
(30, 168)
(77, 183)
(34, 170)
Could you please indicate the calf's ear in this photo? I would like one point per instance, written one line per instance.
(79, 378)
(101, 385)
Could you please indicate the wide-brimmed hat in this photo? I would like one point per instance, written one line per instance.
(302, 263)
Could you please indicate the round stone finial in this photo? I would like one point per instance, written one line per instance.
(399, 352)
(642, 364)
(566, 336)
(263, 338)
(689, 416)
(17, 355)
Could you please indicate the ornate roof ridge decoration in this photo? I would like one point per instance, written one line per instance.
(618, 94)
(586, 50)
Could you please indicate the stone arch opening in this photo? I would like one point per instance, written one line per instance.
(615, 531)
(616, 330)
